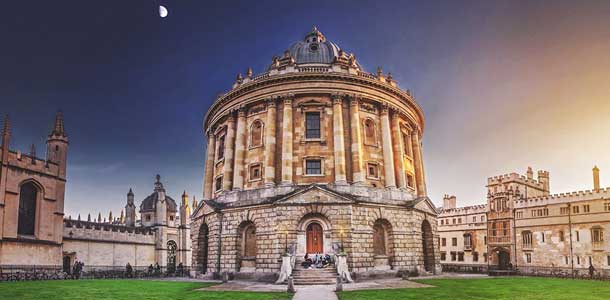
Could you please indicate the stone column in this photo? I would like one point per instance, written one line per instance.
(339, 144)
(208, 178)
(240, 150)
(399, 159)
(270, 143)
(356, 139)
(287, 142)
(227, 178)
(418, 164)
(388, 156)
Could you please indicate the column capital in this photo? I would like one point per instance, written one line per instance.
(337, 99)
(354, 101)
(241, 112)
(230, 117)
(287, 100)
(270, 102)
(385, 108)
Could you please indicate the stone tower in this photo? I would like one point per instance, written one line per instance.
(130, 210)
(57, 145)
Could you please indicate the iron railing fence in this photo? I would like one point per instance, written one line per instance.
(538, 271)
(57, 272)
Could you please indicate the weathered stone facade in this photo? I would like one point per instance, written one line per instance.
(32, 200)
(162, 235)
(531, 230)
(310, 156)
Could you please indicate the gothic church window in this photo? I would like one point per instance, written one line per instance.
(27, 209)
(256, 134)
(527, 239)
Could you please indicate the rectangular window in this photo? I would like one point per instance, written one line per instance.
(527, 239)
(542, 236)
(474, 219)
(519, 214)
(528, 258)
(567, 260)
(453, 256)
(443, 256)
(482, 218)
(453, 221)
(410, 181)
(561, 236)
(485, 240)
(255, 172)
(577, 236)
(459, 220)
(578, 260)
(373, 170)
(313, 167)
(460, 256)
(443, 242)
(475, 256)
(575, 209)
(218, 184)
(597, 235)
(221, 147)
(608, 260)
(312, 125)
(586, 208)
(607, 206)
(453, 241)
(564, 210)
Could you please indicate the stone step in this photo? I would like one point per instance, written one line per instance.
(314, 281)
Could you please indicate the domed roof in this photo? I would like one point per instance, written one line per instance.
(150, 202)
(314, 48)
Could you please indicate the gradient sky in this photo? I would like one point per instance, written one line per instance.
(503, 84)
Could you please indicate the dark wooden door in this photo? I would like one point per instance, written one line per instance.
(503, 260)
(314, 238)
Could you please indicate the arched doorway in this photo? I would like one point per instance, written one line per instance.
(202, 243)
(382, 244)
(171, 256)
(503, 259)
(315, 238)
(428, 246)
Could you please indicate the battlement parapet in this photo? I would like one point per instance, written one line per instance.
(568, 197)
(84, 230)
(474, 209)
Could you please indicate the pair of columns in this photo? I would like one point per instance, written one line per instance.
(235, 150)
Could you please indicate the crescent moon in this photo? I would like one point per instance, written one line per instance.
(162, 11)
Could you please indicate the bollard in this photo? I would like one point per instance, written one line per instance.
(339, 287)
(290, 285)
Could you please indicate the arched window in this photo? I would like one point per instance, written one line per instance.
(249, 241)
(27, 209)
(527, 238)
(369, 132)
(379, 239)
(256, 134)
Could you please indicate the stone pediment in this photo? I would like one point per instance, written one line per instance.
(424, 204)
(314, 195)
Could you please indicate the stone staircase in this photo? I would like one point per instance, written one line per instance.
(302, 276)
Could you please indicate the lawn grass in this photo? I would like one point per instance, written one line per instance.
(123, 290)
(521, 288)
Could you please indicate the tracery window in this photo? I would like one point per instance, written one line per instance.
(597, 235)
(527, 238)
(27, 209)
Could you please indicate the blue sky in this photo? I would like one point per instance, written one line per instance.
(503, 84)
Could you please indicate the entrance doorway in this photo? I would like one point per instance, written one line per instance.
(67, 264)
(503, 259)
(315, 238)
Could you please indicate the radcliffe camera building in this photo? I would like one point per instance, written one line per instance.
(523, 226)
(314, 155)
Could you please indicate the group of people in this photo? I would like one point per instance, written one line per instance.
(316, 260)
(77, 268)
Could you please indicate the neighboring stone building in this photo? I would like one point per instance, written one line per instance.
(161, 236)
(314, 155)
(529, 229)
(32, 200)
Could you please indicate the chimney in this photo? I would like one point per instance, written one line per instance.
(595, 178)
(530, 173)
(449, 202)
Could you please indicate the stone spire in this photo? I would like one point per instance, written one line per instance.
(99, 217)
(122, 218)
(110, 219)
(595, 178)
(33, 153)
(78, 217)
(195, 204)
(58, 128)
(88, 217)
(130, 210)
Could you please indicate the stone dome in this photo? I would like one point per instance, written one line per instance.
(314, 49)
